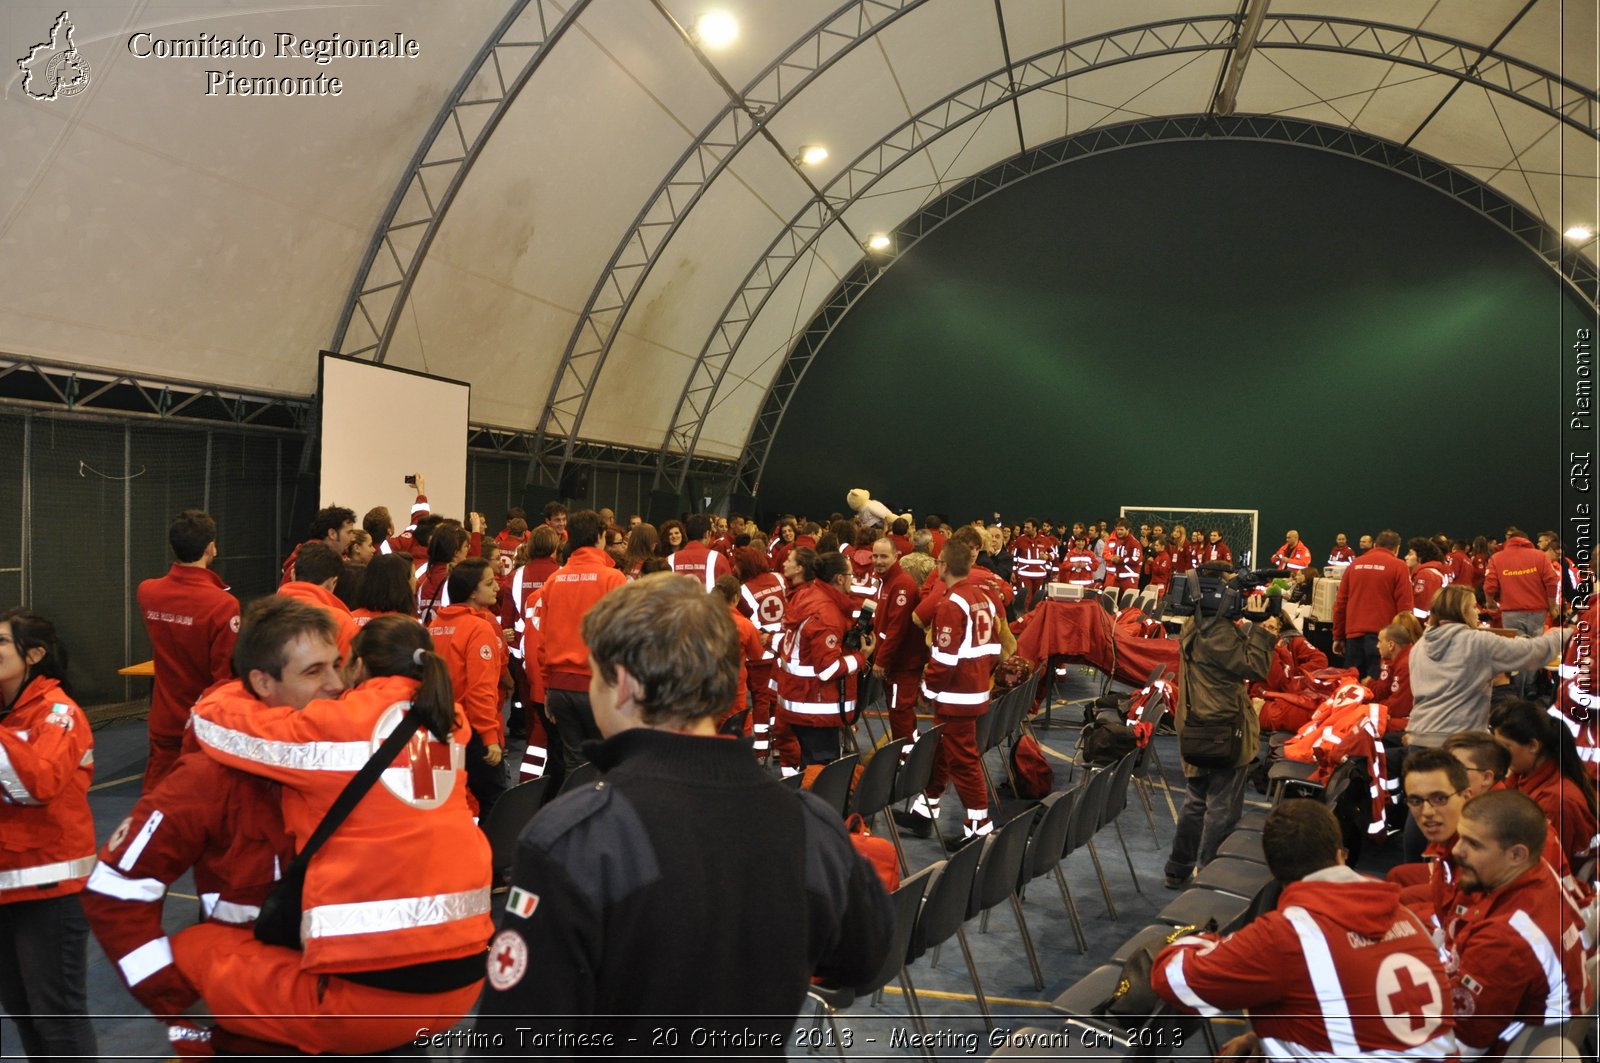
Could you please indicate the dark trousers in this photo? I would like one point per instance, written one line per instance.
(1211, 808)
(818, 745)
(43, 964)
(575, 720)
(486, 781)
(1361, 652)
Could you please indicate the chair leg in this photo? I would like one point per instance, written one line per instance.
(972, 972)
(1128, 857)
(1027, 943)
(1105, 888)
(1142, 786)
(894, 836)
(983, 921)
(1072, 911)
(1161, 772)
(913, 1005)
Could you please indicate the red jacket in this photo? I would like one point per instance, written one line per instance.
(1290, 658)
(1158, 566)
(1375, 587)
(433, 591)
(405, 543)
(1429, 579)
(563, 601)
(1431, 889)
(763, 602)
(936, 540)
(474, 649)
(1340, 971)
(1032, 557)
(1521, 578)
(517, 603)
(508, 549)
(698, 560)
(1518, 960)
(964, 652)
(1393, 688)
(1217, 551)
(1563, 804)
(901, 647)
(1077, 567)
(1341, 555)
(902, 543)
(227, 826)
(405, 879)
(815, 672)
(1292, 558)
(321, 597)
(193, 622)
(46, 765)
(1461, 567)
(1124, 559)
(752, 650)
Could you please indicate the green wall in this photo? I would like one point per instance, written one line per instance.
(1210, 324)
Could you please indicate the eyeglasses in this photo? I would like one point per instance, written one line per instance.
(1435, 800)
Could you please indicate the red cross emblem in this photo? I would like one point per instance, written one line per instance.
(423, 774)
(1409, 998)
(420, 757)
(508, 959)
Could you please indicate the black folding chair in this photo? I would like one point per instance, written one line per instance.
(943, 914)
(872, 791)
(1045, 849)
(509, 815)
(915, 771)
(1244, 845)
(832, 783)
(586, 774)
(907, 904)
(999, 874)
(1085, 821)
(1116, 801)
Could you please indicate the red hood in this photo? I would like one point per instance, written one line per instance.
(1517, 540)
(1361, 905)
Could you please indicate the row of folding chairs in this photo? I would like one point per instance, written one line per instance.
(1232, 889)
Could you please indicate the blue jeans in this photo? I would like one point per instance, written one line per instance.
(1361, 652)
(1211, 808)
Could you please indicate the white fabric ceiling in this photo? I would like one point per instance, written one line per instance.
(150, 229)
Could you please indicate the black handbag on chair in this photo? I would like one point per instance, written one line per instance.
(279, 921)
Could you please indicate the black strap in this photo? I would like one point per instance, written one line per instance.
(357, 787)
(440, 976)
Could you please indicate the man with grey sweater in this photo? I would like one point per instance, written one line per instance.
(1453, 667)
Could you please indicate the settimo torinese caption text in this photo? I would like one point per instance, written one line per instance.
(317, 51)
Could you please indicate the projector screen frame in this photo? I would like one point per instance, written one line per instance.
(447, 487)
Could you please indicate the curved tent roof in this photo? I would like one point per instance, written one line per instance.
(600, 221)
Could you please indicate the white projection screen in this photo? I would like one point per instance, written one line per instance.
(380, 425)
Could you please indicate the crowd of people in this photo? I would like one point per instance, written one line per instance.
(324, 760)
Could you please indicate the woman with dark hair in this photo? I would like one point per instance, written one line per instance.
(388, 586)
(1479, 558)
(762, 600)
(672, 538)
(816, 670)
(447, 548)
(46, 764)
(1545, 765)
(396, 904)
(349, 586)
(1454, 665)
(469, 638)
(642, 545)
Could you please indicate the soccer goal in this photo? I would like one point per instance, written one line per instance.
(1238, 526)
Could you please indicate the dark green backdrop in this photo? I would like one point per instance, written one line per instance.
(1221, 324)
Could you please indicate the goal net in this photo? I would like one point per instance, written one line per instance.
(1238, 526)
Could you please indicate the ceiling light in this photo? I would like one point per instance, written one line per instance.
(878, 242)
(811, 154)
(716, 29)
(1579, 233)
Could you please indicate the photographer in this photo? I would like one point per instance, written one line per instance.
(1218, 732)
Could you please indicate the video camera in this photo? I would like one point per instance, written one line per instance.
(863, 624)
(1215, 589)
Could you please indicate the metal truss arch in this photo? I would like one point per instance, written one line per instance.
(706, 157)
(1529, 85)
(1576, 272)
(448, 150)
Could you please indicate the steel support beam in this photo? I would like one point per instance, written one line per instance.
(513, 51)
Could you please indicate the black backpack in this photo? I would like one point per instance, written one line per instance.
(1107, 738)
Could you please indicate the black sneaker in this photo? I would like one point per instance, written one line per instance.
(1176, 882)
(921, 826)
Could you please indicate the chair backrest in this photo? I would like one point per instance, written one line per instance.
(945, 907)
(1086, 814)
(918, 768)
(907, 904)
(877, 778)
(1049, 836)
(1000, 865)
(1117, 790)
(509, 815)
(734, 725)
(983, 730)
(586, 774)
(832, 783)
(1339, 781)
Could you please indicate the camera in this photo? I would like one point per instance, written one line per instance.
(863, 624)
(411, 481)
(1215, 589)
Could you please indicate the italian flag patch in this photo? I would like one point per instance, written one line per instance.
(521, 903)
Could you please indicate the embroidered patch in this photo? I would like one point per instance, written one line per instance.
(508, 959)
(832, 641)
(944, 637)
(521, 903)
(485, 652)
(120, 835)
(233, 625)
(60, 716)
(900, 599)
(1472, 984)
(1465, 1003)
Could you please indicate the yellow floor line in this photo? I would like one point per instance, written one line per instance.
(115, 782)
(185, 896)
(939, 994)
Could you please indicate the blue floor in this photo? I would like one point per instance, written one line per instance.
(945, 991)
